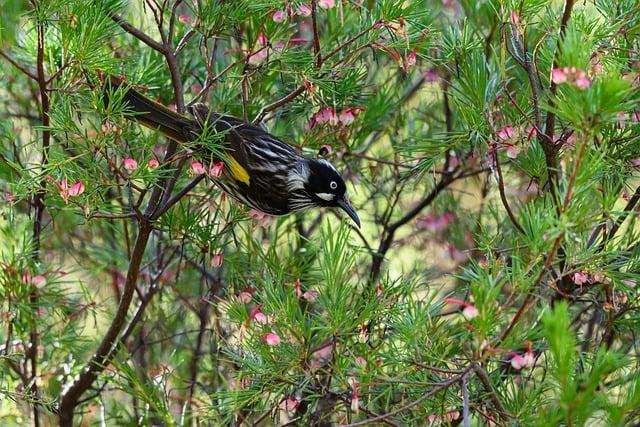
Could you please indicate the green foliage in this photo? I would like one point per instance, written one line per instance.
(491, 149)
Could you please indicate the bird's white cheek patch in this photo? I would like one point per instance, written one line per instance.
(326, 196)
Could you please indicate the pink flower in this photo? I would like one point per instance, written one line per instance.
(531, 132)
(39, 281)
(185, 19)
(635, 162)
(410, 60)
(297, 287)
(347, 117)
(309, 86)
(580, 278)
(525, 360)
(558, 76)
(506, 133)
(216, 170)
(279, 16)
(326, 4)
(470, 311)
(245, 297)
(257, 315)
(198, 168)
(572, 76)
(271, 339)
(515, 19)
(304, 10)
(325, 115)
(262, 39)
(10, 197)
(310, 295)
(76, 189)
(379, 290)
(583, 82)
(217, 259)
(130, 164)
(355, 404)
(153, 163)
(635, 116)
(513, 151)
(262, 219)
(289, 405)
(349, 114)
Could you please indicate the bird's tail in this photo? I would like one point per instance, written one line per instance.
(150, 113)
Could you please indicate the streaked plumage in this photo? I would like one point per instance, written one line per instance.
(260, 170)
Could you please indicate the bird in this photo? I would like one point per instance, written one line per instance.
(259, 169)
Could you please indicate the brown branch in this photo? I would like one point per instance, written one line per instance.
(387, 241)
(40, 206)
(18, 66)
(72, 392)
(176, 197)
(484, 379)
(550, 122)
(316, 37)
(279, 103)
(503, 196)
(137, 33)
(442, 386)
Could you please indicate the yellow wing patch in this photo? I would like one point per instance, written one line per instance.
(237, 171)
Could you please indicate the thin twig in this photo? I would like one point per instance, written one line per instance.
(484, 378)
(137, 33)
(443, 385)
(18, 66)
(503, 196)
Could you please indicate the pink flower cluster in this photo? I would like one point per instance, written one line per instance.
(215, 170)
(303, 10)
(261, 219)
(523, 360)
(65, 191)
(571, 75)
(581, 278)
(329, 116)
(509, 136)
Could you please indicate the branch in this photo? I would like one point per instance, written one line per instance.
(137, 33)
(176, 197)
(550, 123)
(484, 378)
(316, 37)
(385, 244)
(72, 392)
(443, 385)
(503, 196)
(18, 66)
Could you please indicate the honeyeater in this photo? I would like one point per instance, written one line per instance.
(260, 170)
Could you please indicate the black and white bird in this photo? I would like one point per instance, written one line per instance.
(260, 170)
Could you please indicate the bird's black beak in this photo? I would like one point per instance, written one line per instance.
(345, 205)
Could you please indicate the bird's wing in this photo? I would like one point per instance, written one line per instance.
(250, 148)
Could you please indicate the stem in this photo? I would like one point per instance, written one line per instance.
(71, 393)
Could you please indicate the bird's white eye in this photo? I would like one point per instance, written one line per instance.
(333, 185)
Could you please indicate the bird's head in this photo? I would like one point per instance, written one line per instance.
(322, 185)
